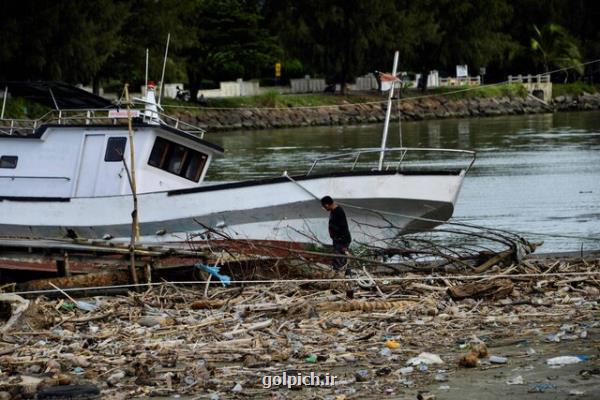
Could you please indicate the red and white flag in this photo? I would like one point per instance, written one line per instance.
(387, 80)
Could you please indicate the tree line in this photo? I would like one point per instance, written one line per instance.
(101, 41)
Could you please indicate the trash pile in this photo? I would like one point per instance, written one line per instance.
(398, 337)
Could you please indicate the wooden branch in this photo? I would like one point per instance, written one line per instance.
(18, 306)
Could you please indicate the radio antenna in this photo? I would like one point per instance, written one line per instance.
(147, 57)
(162, 77)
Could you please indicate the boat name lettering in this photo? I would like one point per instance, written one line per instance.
(123, 113)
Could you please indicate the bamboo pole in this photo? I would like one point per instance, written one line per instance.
(135, 228)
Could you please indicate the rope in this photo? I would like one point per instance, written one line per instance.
(594, 238)
(285, 174)
(320, 280)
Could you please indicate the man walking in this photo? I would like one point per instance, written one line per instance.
(338, 231)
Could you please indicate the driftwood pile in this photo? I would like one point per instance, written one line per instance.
(221, 342)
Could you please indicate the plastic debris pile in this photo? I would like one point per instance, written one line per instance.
(393, 339)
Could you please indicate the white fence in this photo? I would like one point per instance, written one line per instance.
(434, 80)
(529, 79)
(169, 92)
(307, 85)
(365, 82)
(460, 81)
(233, 89)
(537, 85)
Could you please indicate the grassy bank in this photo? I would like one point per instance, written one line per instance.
(21, 108)
(471, 92)
(573, 89)
(274, 99)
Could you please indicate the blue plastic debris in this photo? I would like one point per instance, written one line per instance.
(542, 388)
(215, 270)
(78, 371)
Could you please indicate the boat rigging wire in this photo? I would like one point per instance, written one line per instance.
(449, 222)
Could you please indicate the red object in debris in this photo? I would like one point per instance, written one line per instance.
(388, 77)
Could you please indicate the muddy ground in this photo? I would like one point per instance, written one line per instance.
(486, 381)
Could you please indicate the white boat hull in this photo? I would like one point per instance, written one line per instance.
(378, 206)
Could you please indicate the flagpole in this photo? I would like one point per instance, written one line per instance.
(388, 113)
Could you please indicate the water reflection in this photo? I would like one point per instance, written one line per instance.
(464, 134)
(433, 134)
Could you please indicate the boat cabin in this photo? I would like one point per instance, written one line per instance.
(87, 161)
(91, 159)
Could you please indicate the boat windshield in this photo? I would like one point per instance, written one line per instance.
(177, 159)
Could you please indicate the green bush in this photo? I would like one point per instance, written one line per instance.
(275, 99)
(469, 92)
(293, 69)
(268, 99)
(573, 89)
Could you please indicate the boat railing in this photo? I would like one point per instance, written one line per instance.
(396, 162)
(103, 116)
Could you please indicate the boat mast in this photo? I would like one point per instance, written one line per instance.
(388, 113)
(146, 76)
(162, 77)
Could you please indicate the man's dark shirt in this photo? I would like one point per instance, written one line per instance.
(338, 226)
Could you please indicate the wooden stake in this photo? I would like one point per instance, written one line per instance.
(62, 266)
(135, 228)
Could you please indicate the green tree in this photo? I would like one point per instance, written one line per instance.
(338, 38)
(231, 42)
(343, 39)
(68, 41)
(88, 42)
(555, 47)
(147, 27)
(473, 32)
(416, 34)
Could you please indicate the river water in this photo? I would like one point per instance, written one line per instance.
(534, 173)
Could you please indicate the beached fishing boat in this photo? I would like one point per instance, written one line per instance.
(66, 175)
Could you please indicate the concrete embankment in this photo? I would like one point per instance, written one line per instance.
(347, 114)
(584, 102)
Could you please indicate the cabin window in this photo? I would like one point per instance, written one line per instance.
(8, 162)
(177, 159)
(115, 148)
